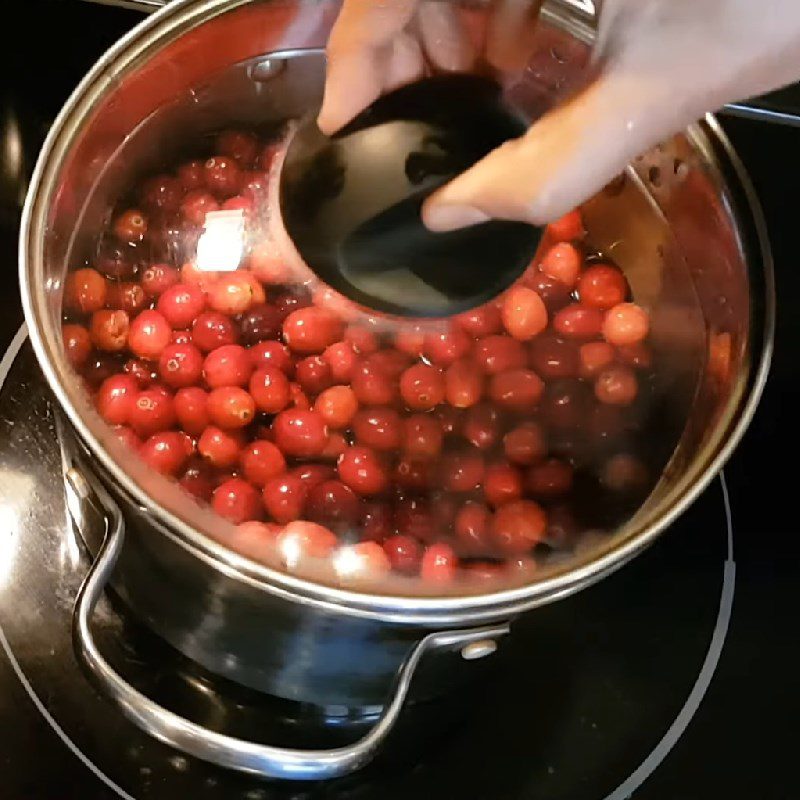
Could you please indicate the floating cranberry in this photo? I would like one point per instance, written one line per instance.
(191, 409)
(377, 521)
(130, 226)
(413, 474)
(284, 498)
(517, 390)
(299, 433)
(115, 398)
(616, 386)
(378, 427)
(495, 354)
(518, 527)
(84, 291)
(602, 286)
(157, 278)
(374, 383)
(501, 484)
(260, 322)
(261, 462)
(181, 304)
(595, 357)
(464, 381)
(222, 176)
(153, 411)
(410, 339)
(270, 389)
(481, 426)
(363, 471)
(313, 374)
(303, 539)
(291, 300)
(472, 528)
(212, 330)
(268, 265)
(551, 478)
(162, 193)
(422, 387)
(165, 452)
(565, 405)
(555, 294)
(552, 357)
(462, 471)
(448, 346)
(127, 437)
(577, 321)
(337, 406)
(231, 407)
(422, 437)
(149, 334)
(220, 448)
(624, 473)
(414, 517)
(362, 561)
(196, 204)
(127, 297)
(636, 355)
(562, 262)
(626, 324)
(313, 474)
(238, 145)
(271, 354)
(567, 228)
(334, 504)
(237, 501)
(524, 313)
(439, 564)
(98, 367)
(110, 331)
(180, 365)
(404, 554)
(310, 330)
(483, 321)
(115, 260)
(77, 344)
(229, 365)
(525, 444)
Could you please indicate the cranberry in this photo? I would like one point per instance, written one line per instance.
(555, 295)
(302, 539)
(237, 501)
(110, 330)
(616, 386)
(197, 481)
(229, 365)
(191, 175)
(463, 383)
(519, 526)
(130, 226)
(291, 300)
(361, 339)
(98, 367)
(162, 193)
(222, 176)
(238, 203)
(127, 437)
(562, 262)
(562, 528)
(142, 371)
(635, 355)
(449, 418)
(84, 291)
(269, 266)
(552, 357)
(310, 330)
(414, 517)
(483, 321)
(231, 407)
(595, 357)
(181, 304)
(374, 383)
(623, 473)
(235, 293)
(577, 321)
(298, 398)
(422, 387)
(525, 444)
(284, 498)
(128, 297)
(261, 462)
(337, 304)
(481, 426)
(313, 474)
(517, 390)
(270, 389)
(77, 344)
(157, 278)
(238, 145)
(501, 484)
(337, 406)
(568, 227)
(495, 354)
(626, 324)
(220, 448)
(377, 521)
(153, 411)
(313, 374)
(271, 354)
(404, 554)
(549, 479)
(422, 436)
(201, 278)
(165, 452)
(410, 339)
(116, 260)
(606, 423)
(439, 564)
(524, 313)
(212, 330)
(462, 471)
(446, 347)
(180, 365)
(255, 186)
(191, 409)
(333, 504)
(299, 433)
(413, 474)
(149, 334)
(472, 527)
(365, 560)
(565, 404)
(363, 471)
(196, 205)
(260, 322)
(378, 427)
(602, 286)
(115, 398)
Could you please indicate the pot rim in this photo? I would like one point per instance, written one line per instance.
(177, 18)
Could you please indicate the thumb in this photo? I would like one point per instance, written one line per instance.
(567, 156)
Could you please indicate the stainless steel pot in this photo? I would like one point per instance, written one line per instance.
(683, 223)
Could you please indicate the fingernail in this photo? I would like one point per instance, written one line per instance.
(441, 218)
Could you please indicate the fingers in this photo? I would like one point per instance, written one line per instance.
(368, 52)
(511, 34)
(444, 37)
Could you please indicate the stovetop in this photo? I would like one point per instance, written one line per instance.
(673, 679)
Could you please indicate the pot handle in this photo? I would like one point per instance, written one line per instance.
(227, 751)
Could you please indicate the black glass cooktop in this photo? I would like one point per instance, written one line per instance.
(675, 679)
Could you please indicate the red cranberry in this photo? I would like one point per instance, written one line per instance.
(595, 357)
(153, 411)
(291, 300)
(626, 324)
(180, 365)
(115, 398)
(337, 406)
(162, 193)
(439, 564)
(231, 407)
(181, 304)
(333, 504)
(525, 444)
(524, 313)
(299, 433)
(481, 426)
(517, 390)
(271, 354)
(422, 436)
(567, 228)
(446, 347)
(374, 383)
(517, 527)
(77, 344)
(377, 521)
(270, 267)
(313, 474)
(165, 452)
(196, 480)
(116, 260)
(313, 374)
(229, 365)
(449, 418)
(495, 354)
(237, 501)
(472, 528)
(577, 321)
(260, 322)
(84, 291)
(562, 262)
(413, 474)
(462, 471)
(284, 498)
(422, 387)
(261, 462)
(501, 484)
(342, 360)
(110, 330)
(157, 278)
(270, 389)
(127, 437)
(222, 176)
(191, 409)
(220, 448)
(551, 357)
(463, 383)
(130, 226)
(363, 471)
(616, 386)
(549, 479)
(483, 321)
(301, 539)
(361, 339)
(98, 367)
(128, 297)
(149, 334)
(235, 293)
(212, 330)
(196, 205)
(238, 145)
(414, 517)
(404, 554)
(378, 427)
(555, 294)
(191, 175)
(602, 286)
(310, 330)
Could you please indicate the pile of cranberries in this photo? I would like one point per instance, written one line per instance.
(446, 450)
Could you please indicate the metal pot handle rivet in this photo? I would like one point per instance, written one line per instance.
(227, 751)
